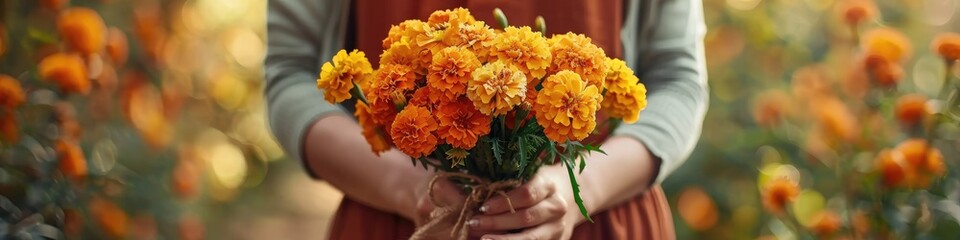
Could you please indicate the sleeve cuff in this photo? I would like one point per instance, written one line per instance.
(292, 113)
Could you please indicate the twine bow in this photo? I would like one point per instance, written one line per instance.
(481, 191)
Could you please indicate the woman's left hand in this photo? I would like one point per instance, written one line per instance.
(541, 210)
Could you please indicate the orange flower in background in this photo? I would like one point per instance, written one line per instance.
(9, 130)
(856, 81)
(567, 107)
(619, 77)
(148, 27)
(338, 76)
(626, 105)
(885, 44)
(72, 163)
(11, 93)
(371, 131)
(413, 131)
(111, 219)
(778, 193)
(886, 74)
(697, 209)
(576, 52)
(66, 70)
(924, 162)
(496, 88)
(83, 29)
(190, 227)
(835, 119)
(808, 83)
(451, 70)
(54, 5)
(185, 179)
(117, 47)
(771, 107)
(890, 165)
(854, 12)
(947, 45)
(461, 124)
(911, 109)
(524, 48)
(825, 223)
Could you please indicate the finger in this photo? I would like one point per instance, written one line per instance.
(527, 217)
(524, 196)
(445, 193)
(546, 231)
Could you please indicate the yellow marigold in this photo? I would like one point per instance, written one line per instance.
(947, 45)
(461, 124)
(67, 70)
(475, 36)
(619, 77)
(405, 32)
(413, 131)
(83, 29)
(626, 105)
(853, 12)
(496, 88)
(392, 79)
(451, 70)
(567, 107)
(11, 94)
(524, 48)
(448, 16)
(338, 77)
(576, 52)
(825, 223)
(886, 44)
(371, 131)
(9, 131)
(778, 193)
(405, 53)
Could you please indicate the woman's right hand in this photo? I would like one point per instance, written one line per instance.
(445, 192)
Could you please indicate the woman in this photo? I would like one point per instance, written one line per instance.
(385, 196)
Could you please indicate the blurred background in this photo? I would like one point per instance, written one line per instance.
(167, 139)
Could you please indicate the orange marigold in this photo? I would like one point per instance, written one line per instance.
(947, 45)
(886, 74)
(185, 179)
(496, 88)
(524, 48)
(778, 193)
(408, 54)
(117, 48)
(451, 70)
(825, 223)
(83, 29)
(475, 36)
(892, 169)
(925, 162)
(835, 119)
(413, 131)
(72, 162)
(405, 32)
(697, 209)
(425, 97)
(371, 131)
(451, 16)
(67, 70)
(770, 107)
(576, 52)
(338, 77)
(461, 124)
(567, 107)
(11, 93)
(911, 109)
(809, 83)
(109, 217)
(626, 105)
(9, 131)
(392, 79)
(854, 12)
(886, 44)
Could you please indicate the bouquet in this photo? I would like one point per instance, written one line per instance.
(485, 107)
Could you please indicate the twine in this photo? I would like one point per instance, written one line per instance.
(482, 190)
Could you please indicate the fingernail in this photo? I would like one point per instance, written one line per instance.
(483, 209)
(473, 222)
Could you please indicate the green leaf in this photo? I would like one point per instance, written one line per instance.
(497, 150)
(591, 148)
(583, 163)
(576, 193)
(521, 155)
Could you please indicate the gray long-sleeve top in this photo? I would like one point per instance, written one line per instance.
(662, 41)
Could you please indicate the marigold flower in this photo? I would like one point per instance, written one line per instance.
(475, 36)
(9, 131)
(109, 217)
(809, 83)
(886, 74)
(576, 52)
(382, 111)
(496, 88)
(184, 180)
(892, 169)
(72, 163)
(770, 107)
(405, 32)
(413, 131)
(567, 107)
(190, 227)
(886, 44)
(450, 16)
(82, 29)
(461, 124)
(11, 93)
(371, 131)
(67, 70)
(947, 45)
(825, 223)
(524, 48)
(697, 209)
(626, 105)
(619, 77)
(451, 70)
(924, 162)
(835, 119)
(117, 47)
(408, 54)
(778, 193)
(854, 12)
(425, 97)
(337, 77)
(911, 109)
(392, 79)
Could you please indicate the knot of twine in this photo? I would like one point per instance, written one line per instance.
(481, 191)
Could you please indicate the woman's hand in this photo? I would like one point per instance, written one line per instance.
(444, 192)
(541, 206)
